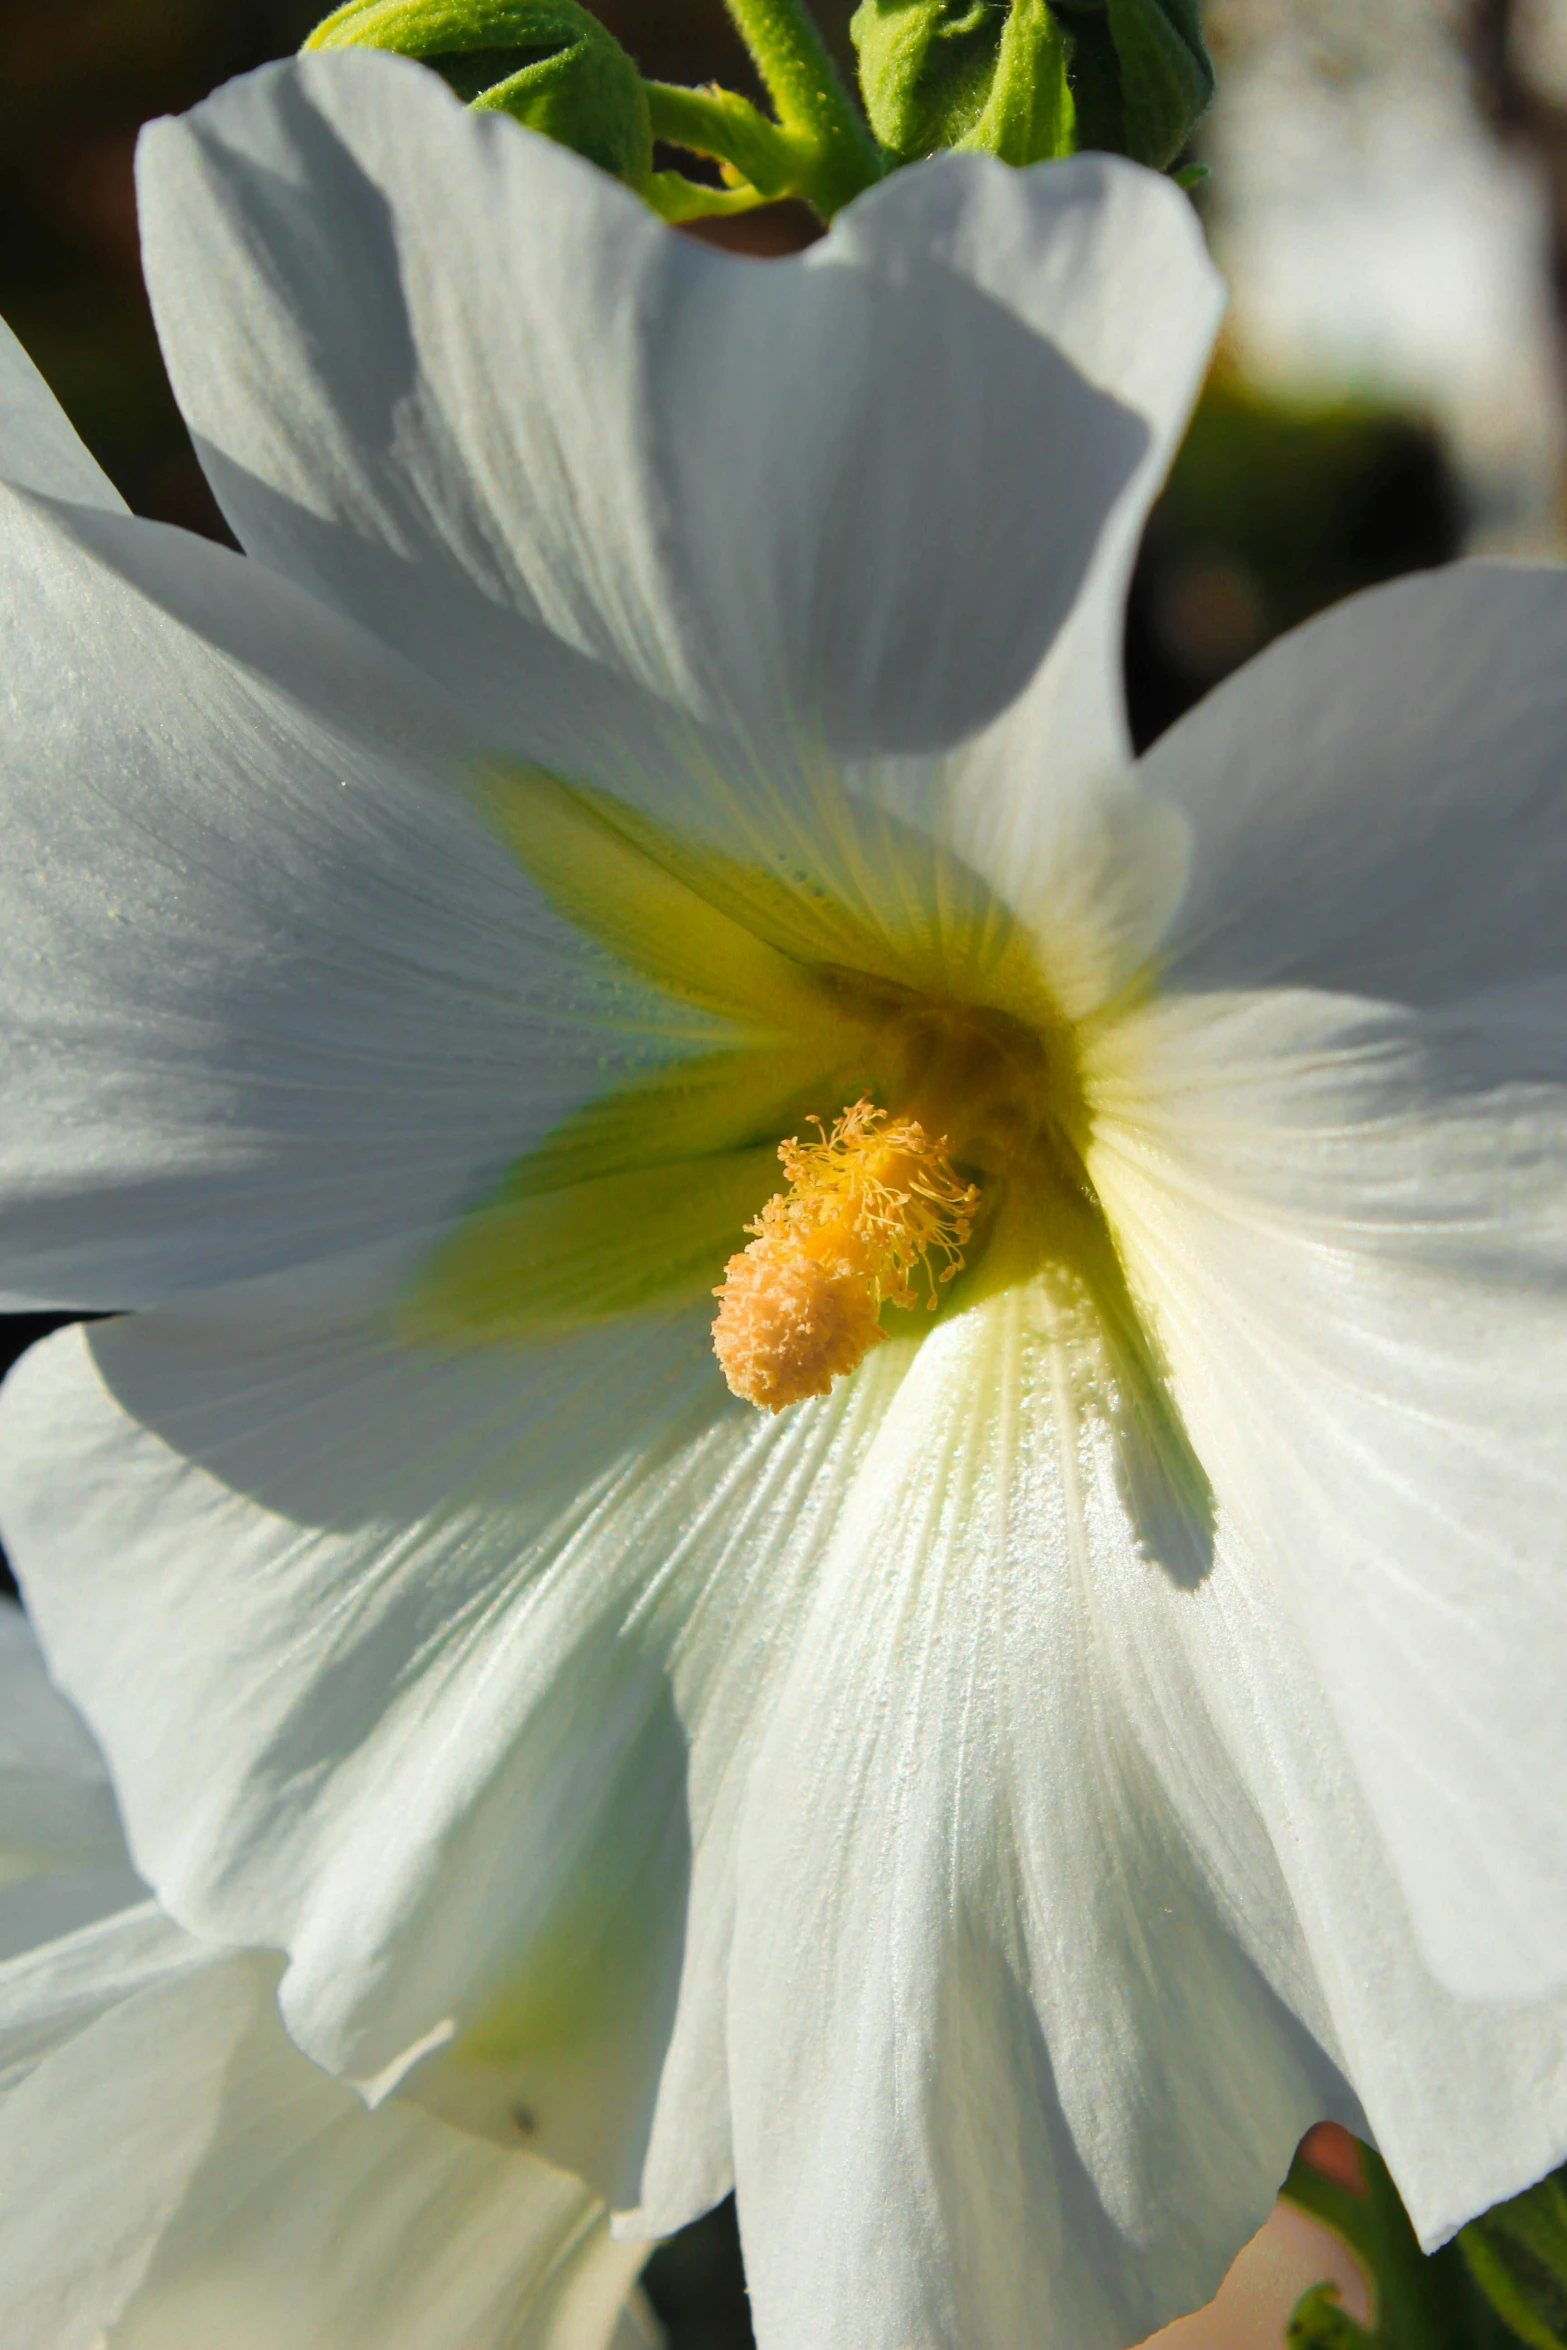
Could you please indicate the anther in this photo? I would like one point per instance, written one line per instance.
(873, 1216)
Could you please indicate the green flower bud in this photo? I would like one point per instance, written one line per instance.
(1029, 79)
(548, 62)
(985, 74)
(1141, 77)
(1517, 2255)
(925, 68)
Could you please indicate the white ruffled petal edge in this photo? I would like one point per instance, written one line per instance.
(472, 1656)
(850, 498)
(174, 2173)
(1349, 1220)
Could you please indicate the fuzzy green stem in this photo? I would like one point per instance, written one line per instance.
(675, 198)
(804, 86)
(776, 162)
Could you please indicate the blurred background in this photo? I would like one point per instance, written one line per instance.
(1388, 198)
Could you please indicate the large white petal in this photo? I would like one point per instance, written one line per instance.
(997, 2043)
(1350, 1222)
(1029, 1795)
(39, 447)
(174, 2171)
(1377, 804)
(1466, 2097)
(1062, 1903)
(269, 985)
(442, 1674)
(171, 2166)
(471, 390)
(62, 1856)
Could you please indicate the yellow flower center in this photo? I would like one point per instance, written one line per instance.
(872, 1209)
(907, 991)
(976, 1051)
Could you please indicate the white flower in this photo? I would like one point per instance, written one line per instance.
(988, 1810)
(174, 2175)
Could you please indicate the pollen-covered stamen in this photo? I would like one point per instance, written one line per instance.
(873, 1212)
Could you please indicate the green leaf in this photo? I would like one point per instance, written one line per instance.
(1517, 2255)
(547, 62)
(978, 74)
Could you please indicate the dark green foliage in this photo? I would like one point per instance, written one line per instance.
(1517, 2255)
(1422, 2301)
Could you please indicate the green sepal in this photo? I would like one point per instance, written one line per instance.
(1141, 76)
(1029, 116)
(979, 74)
(549, 63)
(1517, 2255)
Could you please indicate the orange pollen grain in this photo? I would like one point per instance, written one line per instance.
(872, 1209)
